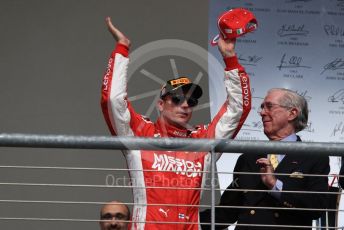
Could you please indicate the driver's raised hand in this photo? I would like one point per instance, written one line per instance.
(226, 47)
(116, 33)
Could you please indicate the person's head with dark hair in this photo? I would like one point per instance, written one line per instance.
(114, 215)
(283, 112)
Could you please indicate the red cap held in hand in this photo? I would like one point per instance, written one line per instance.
(235, 23)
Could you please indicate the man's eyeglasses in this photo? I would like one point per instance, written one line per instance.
(268, 106)
(179, 99)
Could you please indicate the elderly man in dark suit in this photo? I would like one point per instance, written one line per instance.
(263, 201)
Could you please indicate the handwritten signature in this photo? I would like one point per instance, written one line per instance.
(340, 3)
(254, 126)
(250, 59)
(294, 62)
(333, 30)
(338, 129)
(304, 95)
(257, 124)
(338, 63)
(337, 96)
(292, 30)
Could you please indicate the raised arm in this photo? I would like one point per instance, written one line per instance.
(116, 33)
(234, 111)
(117, 111)
(226, 47)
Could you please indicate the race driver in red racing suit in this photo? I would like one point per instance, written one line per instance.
(164, 181)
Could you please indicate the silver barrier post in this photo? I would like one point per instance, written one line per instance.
(212, 170)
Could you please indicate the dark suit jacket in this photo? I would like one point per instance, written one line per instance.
(296, 165)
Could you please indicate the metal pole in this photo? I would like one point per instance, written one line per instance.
(213, 189)
(171, 144)
(327, 220)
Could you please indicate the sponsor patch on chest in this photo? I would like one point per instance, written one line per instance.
(164, 162)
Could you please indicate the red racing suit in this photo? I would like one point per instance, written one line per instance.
(164, 181)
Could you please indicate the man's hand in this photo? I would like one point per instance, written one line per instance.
(117, 34)
(226, 47)
(265, 167)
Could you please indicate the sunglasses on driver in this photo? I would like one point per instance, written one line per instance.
(179, 99)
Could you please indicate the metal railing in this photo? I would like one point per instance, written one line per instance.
(135, 143)
(199, 145)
